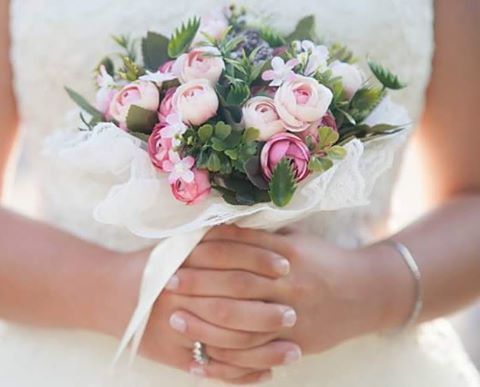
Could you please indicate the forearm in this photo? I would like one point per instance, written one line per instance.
(50, 278)
(446, 247)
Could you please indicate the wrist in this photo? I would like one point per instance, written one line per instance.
(116, 296)
(389, 287)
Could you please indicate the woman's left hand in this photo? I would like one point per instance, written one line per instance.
(336, 293)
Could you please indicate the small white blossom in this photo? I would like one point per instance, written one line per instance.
(281, 71)
(157, 77)
(174, 128)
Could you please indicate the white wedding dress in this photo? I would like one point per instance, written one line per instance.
(58, 42)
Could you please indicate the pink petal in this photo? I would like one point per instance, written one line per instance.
(268, 75)
(188, 161)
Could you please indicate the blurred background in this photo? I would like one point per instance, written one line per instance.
(409, 202)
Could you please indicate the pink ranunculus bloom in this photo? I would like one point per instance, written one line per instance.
(260, 113)
(166, 107)
(166, 67)
(195, 101)
(312, 131)
(158, 147)
(285, 146)
(140, 93)
(195, 191)
(352, 76)
(200, 63)
(301, 101)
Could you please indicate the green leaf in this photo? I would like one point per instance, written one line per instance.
(341, 53)
(282, 184)
(366, 98)
(305, 30)
(385, 77)
(251, 134)
(327, 137)
(130, 71)
(238, 94)
(222, 130)
(337, 152)
(154, 50)
(183, 37)
(142, 136)
(84, 104)
(232, 154)
(141, 120)
(205, 132)
(253, 171)
(273, 38)
(108, 64)
(319, 164)
(213, 163)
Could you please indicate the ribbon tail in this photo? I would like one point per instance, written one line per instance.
(162, 264)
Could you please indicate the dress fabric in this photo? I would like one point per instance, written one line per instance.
(57, 42)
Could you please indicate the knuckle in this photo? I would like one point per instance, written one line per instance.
(240, 282)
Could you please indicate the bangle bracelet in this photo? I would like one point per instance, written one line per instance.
(407, 257)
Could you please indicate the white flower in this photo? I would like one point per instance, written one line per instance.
(281, 71)
(180, 169)
(175, 126)
(352, 76)
(312, 56)
(104, 79)
(158, 77)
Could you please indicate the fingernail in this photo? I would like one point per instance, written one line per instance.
(281, 266)
(289, 318)
(292, 356)
(265, 377)
(197, 371)
(178, 323)
(172, 283)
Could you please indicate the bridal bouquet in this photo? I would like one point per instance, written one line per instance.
(229, 120)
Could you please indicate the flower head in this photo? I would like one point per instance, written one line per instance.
(281, 71)
(179, 169)
(174, 126)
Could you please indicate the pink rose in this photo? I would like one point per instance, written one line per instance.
(195, 101)
(199, 63)
(302, 101)
(142, 94)
(312, 131)
(194, 192)
(260, 113)
(158, 147)
(352, 77)
(166, 67)
(285, 146)
(166, 107)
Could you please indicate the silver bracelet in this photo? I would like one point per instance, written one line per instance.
(417, 276)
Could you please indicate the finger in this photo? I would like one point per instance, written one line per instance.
(259, 238)
(228, 283)
(228, 255)
(253, 378)
(197, 329)
(218, 370)
(272, 354)
(251, 316)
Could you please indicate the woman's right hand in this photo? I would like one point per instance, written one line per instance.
(222, 323)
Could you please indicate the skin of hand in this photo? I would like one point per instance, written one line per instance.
(221, 323)
(337, 293)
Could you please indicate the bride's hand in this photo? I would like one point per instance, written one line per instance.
(177, 321)
(337, 293)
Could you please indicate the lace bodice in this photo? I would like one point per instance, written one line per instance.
(56, 43)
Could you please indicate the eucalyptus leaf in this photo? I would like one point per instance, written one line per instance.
(183, 37)
(154, 50)
(205, 132)
(337, 152)
(213, 163)
(305, 30)
(84, 104)
(251, 134)
(222, 130)
(327, 137)
(319, 164)
(141, 120)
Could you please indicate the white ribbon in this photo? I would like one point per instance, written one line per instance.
(163, 262)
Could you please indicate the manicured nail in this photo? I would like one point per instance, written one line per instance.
(281, 266)
(172, 283)
(289, 318)
(265, 377)
(292, 356)
(197, 371)
(178, 323)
